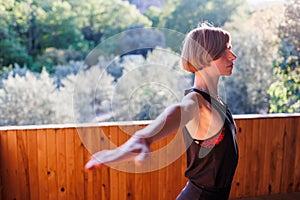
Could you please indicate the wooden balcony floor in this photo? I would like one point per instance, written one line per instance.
(284, 196)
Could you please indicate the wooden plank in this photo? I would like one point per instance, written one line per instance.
(23, 175)
(277, 135)
(172, 189)
(154, 181)
(89, 177)
(162, 174)
(296, 125)
(52, 164)
(267, 137)
(95, 143)
(97, 185)
(95, 135)
(61, 162)
(262, 148)
(42, 163)
(33, 163)
(94, 139)
(5, 187)
(104, 172)
(174, 148)
(13, 171)
(114, 174)
(249, 157)
(268, 153)
(155, 178)
(255, 156)
(80, 162)
(288, 161)
(130, 181)
(243, 136)
(70, 163)
(105, 180)
(123, 136)
(138, 186)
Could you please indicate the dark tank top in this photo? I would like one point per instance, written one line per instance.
(211, 163)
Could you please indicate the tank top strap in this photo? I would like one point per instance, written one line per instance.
(221, 107)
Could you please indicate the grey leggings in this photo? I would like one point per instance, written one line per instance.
(193, 192)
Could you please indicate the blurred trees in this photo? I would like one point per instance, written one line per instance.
(37, 33)
(255, 42)
(100, 19)
(91, 91)
(285, 90)
(48, 73)
(91, 94)
(183, 15)
(148, 85)
(12, 48)
(32, 99)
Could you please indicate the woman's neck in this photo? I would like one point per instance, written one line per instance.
(207, 83)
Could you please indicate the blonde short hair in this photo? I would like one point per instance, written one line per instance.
(203, 45)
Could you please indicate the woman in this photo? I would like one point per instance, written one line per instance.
(208, 127)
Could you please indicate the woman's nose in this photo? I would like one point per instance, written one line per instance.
(232, 55)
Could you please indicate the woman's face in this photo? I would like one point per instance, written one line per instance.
(224, 64)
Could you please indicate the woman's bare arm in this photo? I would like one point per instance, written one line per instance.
(137, 147)
(171, 120)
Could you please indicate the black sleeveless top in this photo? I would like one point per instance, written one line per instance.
(211, 163)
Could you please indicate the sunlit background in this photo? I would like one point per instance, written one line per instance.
(74, 61)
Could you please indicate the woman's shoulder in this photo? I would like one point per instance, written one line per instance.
(193, 98)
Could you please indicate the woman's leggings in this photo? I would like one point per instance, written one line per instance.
(193, 192)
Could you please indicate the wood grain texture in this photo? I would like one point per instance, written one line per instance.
(48, 163)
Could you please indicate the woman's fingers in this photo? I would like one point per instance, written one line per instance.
(106, 156)
(91, 164)
(137, 148)
(96, 160)
(144, 153)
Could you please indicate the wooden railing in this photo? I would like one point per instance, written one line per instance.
(47, 162)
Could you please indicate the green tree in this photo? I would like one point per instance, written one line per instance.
(101, 19)
(29, 27)
(50, 39)
(12, 49)
(285, 91)
(186, 14)
(59, 27)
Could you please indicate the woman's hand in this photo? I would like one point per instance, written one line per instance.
(135, 148)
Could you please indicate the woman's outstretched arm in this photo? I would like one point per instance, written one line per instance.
(137, 147)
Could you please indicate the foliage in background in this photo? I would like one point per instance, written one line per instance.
(255, 42)
(32, 99)
(101, 19)
(11, 48)
(148, 85)
(285, 90)
(34, 38)
(186, 15)
(91, 90)
(34, 33)
(91, 94)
